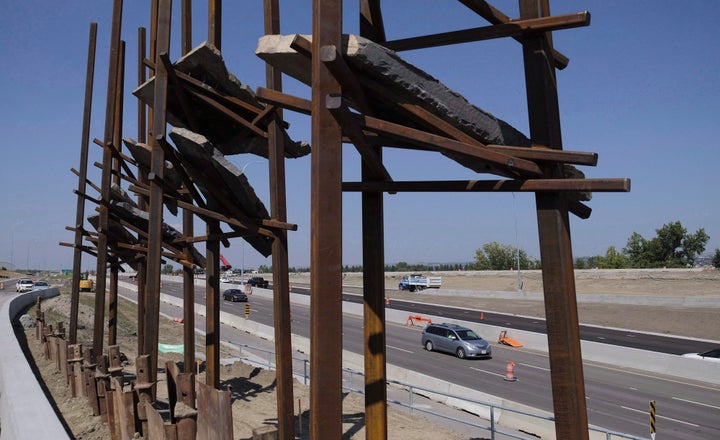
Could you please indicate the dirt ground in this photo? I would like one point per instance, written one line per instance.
(254, 400)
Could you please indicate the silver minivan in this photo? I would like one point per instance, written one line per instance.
(455, 339)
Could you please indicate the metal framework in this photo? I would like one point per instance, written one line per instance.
(344, 107)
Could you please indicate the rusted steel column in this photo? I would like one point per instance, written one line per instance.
(566, 368)
(188, 230)
(215, 23)
(142, 200)
(82, 183)
(278, 211)
(102, 257)
(326, 235)
(371, 26)
(157, 163)
(117, 142)
(212, 305)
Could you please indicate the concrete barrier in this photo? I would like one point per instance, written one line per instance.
(25, 412)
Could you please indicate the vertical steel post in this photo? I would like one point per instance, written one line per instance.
(371, 26)
(326, 234)
(566, 369)
(188, 230)
(117, 143)
(142, 200)
(278, 211)
(157, 165)
(82, 183)
(102, 258)
(212, 259)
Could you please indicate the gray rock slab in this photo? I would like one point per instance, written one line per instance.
(224, 185)
(205, 63)
(140, 219)
(374, 62)
(142, 153)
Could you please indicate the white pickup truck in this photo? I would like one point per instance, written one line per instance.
(416, 281)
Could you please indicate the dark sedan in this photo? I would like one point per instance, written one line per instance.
(235, 295)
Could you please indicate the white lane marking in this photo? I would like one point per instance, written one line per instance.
(534, 366)
(488, 372)
(696, 403)
(661, 417)
(401, 349)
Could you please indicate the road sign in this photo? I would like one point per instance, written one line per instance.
(247, 310)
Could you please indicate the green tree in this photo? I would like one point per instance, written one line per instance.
(672, 247)
(716, 259)
(167, 269)
(496, 256)
(612, 259)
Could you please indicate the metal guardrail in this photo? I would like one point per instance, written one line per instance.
(301, 369)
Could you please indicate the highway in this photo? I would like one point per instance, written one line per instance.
(617, 399)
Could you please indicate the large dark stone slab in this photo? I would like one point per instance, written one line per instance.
(142, 153)
(205, 64)
(224, 186)
(399, 80)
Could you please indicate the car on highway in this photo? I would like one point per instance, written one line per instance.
(258, 282)
(455, 339)
(235, 295)
(41, 285)
(712, 355)
(224, 280)
(24, 285)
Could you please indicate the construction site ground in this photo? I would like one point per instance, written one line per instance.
(254, 403)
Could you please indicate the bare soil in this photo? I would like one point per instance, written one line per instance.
(254, 400)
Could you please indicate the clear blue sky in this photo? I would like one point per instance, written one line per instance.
(642, 90)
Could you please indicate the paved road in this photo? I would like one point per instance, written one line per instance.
(616, 399)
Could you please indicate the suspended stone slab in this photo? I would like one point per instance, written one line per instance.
(224, 186)
(117, 233)
(142, 153)
(140, 220)
(209, 74)
(389, 82)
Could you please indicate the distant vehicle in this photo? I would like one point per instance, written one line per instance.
(712, 355)
(41, 285)
(224, 280)
(225, 266)
(235, 295)
(416, 281)
(455, 339)
(86, 284)
(258, 282)
(24, 285)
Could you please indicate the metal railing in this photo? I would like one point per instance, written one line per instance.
(301, 370)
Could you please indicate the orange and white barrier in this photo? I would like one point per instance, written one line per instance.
(510, 372)
(411, 319)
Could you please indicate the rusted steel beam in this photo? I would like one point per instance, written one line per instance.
(518, 166)
(188, 270)
(374, 328)
(351, 129)
(142, 200)
(566, 367)
(284, 100)
(278, 211)
(326, 236)
(82, 180)
(117, 161)
(515, 28)
(495, 16)
(212, 307)
(155, 205)
(215, 23)
(263, 228)
(371, 21)
(530, 185)
(100, 284)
